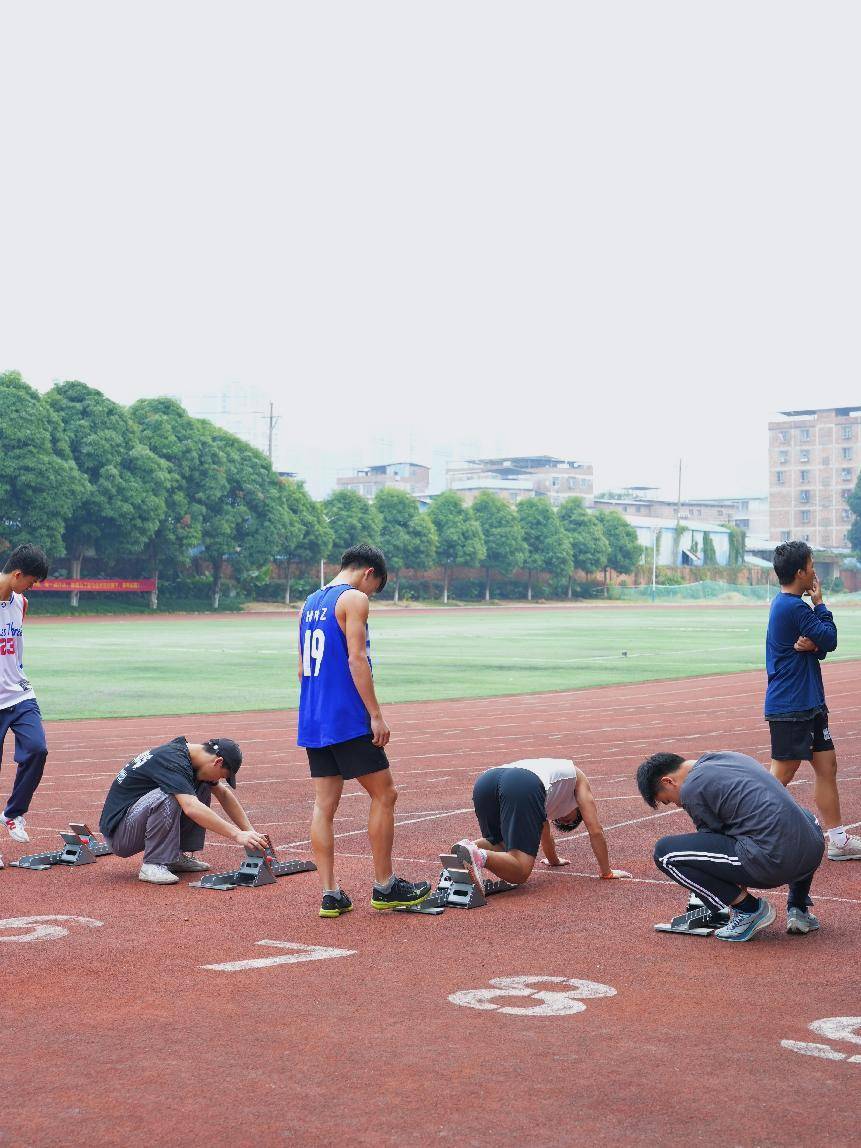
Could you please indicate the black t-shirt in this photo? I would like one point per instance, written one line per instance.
(167, 767)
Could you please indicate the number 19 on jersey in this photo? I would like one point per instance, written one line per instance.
(312, 650)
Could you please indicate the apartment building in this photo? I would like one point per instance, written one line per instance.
(750, 513)
(408, 476)
(813, 462)
(522, 476)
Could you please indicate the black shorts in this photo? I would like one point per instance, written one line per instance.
(348, 759)
(799, 740)
(511, 807)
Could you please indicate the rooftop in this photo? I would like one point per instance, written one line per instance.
(844, 411)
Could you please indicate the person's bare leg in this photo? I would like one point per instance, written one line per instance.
(327, 794)
(511, 865)
(381, 820)
(825, 788)
(489, 847)
(784, 771)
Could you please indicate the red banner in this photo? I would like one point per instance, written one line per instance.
(109, 585)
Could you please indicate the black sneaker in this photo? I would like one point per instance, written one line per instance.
(401, 893)
(334, 906)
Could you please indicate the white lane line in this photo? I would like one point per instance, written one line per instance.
(398, 824)
(619, 825)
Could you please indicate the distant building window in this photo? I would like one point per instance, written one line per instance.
(846, 495)
(584, 483)
(778, 477)
(846, 431)
(805, 434)
(783, 436)
(826, 461)
(806, 538)
(804, 496)
(846, 452)
(805, 516)
(744, 523)
(783, 457)
(784, 536)
(846, 513)
(805, 476)
(846, 474)
(804, 456)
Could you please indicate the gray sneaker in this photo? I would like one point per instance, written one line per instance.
(157, 874)
(745, 926)
(851, 851)
(800, 921)
(187, 863)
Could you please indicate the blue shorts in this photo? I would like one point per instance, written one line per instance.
(511, 807)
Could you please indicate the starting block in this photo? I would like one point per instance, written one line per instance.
(455, 889)
(699, 920)
(94, 843)
(259, 868)
(75, 852)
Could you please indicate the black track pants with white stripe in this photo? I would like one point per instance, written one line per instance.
(709, 865)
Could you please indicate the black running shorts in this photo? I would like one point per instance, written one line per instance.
(348, 759)
(799, 740)
(511, 807)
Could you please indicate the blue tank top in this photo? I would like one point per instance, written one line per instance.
(330, 709)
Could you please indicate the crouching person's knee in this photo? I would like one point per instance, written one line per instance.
(662, 847)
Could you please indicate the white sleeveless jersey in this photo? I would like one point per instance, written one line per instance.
(14, 686)
(558, 775)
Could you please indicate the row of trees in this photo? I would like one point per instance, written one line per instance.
(94, 481)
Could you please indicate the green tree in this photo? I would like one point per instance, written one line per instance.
(407, 537)
(125, 499)
(40, 484)
(303, 531)
(503, 538)
(589, 547)
(196, 482)
(737, 545)
(546, 543)
(709, 553)
(459, 541)
(352, 519)
(854, 504)
(625, 549)
(244, 528)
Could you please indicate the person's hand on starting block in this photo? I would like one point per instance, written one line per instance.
(555, 864)
(616, 875)
(251, 839)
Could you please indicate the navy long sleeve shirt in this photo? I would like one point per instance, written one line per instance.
(795, 688)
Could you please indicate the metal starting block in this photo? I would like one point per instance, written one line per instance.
(75, 852)
(94, 843)
(455, 889)
(258, 868)
(699, 920)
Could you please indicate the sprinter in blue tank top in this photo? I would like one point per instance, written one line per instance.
(342, 727)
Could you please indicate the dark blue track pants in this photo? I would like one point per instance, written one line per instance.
(31, 752)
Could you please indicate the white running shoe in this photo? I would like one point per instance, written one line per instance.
(851, 851)
(470, 854)
(2, 863)
(187, 863)
(157, 874)
(17, 832)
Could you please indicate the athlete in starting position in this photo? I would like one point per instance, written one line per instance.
(515, 804)
(342, 728)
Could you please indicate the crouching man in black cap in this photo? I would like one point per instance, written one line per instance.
(158, 804)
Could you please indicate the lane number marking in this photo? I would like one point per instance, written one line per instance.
(40, 930)
(844, 1028)
(297, 954)
(548, 1002)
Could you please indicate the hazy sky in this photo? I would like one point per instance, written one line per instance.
(618, 232)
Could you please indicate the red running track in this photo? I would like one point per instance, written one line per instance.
(117, 1033)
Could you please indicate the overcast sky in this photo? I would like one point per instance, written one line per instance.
(619, 232)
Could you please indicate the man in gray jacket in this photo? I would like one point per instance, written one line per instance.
(750, 832)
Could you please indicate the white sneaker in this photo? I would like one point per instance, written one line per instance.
(470, 856)
(2, 864)
(851, 851)
(187, 863)
(157, 874)
(17, 832)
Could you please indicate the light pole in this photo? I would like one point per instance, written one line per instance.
(654, 559)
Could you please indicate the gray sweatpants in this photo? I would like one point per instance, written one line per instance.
(157, 825)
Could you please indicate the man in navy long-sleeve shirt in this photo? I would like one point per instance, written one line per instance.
(798, 639)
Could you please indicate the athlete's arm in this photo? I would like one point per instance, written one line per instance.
(231, 805)
(586, 805)
(549, 847)
(192, 807)
(356, 607)
(300, 665)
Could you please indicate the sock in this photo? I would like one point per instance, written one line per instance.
(387, 887)
(795, 902)
(332, 892)
(838, 836)
(748, 905)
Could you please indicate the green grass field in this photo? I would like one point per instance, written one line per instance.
(207, 665)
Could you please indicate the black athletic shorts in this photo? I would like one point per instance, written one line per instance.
(799, 740)
(511, 807)
(348, 759)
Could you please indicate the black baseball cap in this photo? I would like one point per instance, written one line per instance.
(229, 752)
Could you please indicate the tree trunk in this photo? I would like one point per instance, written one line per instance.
(397, 587)
(529, 586)
(77, 561)
(606, 568)
(287, 593)
(153, 594)
(445, 585)
(570, 583)
(487, 584)
(216, 582)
